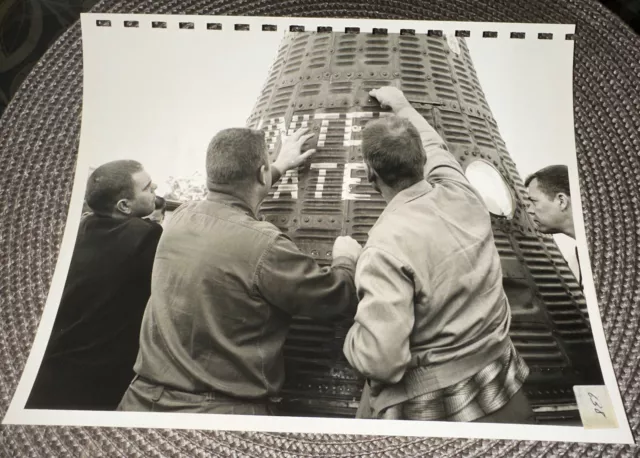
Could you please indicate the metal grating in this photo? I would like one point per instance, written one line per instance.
(321, 81)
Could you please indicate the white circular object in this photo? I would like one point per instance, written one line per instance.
(491, 186)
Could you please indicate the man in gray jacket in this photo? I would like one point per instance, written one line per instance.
(225, 286)
(431, 330)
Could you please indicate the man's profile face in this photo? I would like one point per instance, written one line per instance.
(545, 211)
(143, 202)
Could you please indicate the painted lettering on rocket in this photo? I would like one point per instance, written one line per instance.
(276, 126)
(289, 182)
(322, 168)
(272, 131)
(349, 181)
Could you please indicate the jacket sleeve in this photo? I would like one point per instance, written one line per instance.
(295, 283)
(440, 162)
(148, 247)
(377, 345)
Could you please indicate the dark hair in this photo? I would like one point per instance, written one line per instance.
(161, 204)
(552, 180)
(109, 183)
(234, 155)
(85, 207)
(392, 147)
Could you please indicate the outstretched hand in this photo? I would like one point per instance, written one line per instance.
(291, 155)
(390, 97)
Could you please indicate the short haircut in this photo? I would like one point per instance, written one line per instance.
(109, 183)
(392, 147)
(552, 180)
(161, 203)
(85, 207)
(234, 155)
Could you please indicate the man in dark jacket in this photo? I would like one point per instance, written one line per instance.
(89, 360)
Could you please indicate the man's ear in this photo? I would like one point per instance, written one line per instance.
(123, 207)
(371, 174)
(564, 201)
(262, 174)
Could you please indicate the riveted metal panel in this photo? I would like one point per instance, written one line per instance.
(321, 81)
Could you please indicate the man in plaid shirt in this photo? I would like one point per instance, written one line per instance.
(431, 330)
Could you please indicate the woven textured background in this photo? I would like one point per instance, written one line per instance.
(39, 135)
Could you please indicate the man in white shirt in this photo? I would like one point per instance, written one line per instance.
(550, 204)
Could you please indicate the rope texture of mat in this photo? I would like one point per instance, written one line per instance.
(38, 146)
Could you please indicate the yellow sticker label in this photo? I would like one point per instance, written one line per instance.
(595, 407)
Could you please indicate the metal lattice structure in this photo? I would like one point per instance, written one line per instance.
(322, 80)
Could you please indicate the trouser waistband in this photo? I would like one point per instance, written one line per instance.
(197, 396)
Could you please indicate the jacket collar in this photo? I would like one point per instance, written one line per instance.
(232, 201)
(407, 195)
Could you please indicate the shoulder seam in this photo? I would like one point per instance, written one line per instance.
(376, 247)
(272, 230)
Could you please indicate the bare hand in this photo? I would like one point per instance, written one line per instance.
(390, 97)
(347, 247)
(290, 152)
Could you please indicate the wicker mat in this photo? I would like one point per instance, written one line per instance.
(38, 145)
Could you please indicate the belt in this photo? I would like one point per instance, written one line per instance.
(208, 395)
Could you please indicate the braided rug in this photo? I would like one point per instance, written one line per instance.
(39, 136)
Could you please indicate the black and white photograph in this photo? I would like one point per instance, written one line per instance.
(322, 225)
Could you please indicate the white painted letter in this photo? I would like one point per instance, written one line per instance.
(348, 181)
(322, 173)
(288, 183)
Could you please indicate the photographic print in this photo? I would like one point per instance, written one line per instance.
(322, 225)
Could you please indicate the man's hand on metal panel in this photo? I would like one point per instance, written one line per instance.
(347, 247)
(291, 155)
(390, 97)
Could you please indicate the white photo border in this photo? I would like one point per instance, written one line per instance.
(17, 414)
